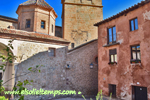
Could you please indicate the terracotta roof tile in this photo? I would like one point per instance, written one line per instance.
(37, 2)
(32, 34)
(8, 18)
(123, 12)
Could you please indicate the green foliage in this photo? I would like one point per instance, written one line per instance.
(99, 96)
(3, 98)
(2, 89)
(10, 58)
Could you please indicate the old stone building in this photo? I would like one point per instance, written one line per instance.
(78, 17)
(26, 45)
(33, 31)
(36, 44)
(124, 53)
(67, 70)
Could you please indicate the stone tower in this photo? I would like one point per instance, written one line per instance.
(78, 18)
(36, 16)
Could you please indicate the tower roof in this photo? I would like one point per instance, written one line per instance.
(37, 2)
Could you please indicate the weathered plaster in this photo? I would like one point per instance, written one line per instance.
(146, 15)
(124, 74)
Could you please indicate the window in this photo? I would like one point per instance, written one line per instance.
(51, 52)
(72, 45)
(113, 56)
(52, 28)
(133, 24)
(112, 90)
(43, 24)
(112, 35)
(28, 21)
(135, 54)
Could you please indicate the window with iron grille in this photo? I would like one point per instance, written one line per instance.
(28, 22)
(112, 35)
(43, 24)
(133, 24)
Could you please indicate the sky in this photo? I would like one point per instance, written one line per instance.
(110, 7)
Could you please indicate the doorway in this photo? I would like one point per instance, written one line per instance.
(112, 90)
(139, 93)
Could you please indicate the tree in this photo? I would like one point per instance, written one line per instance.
(20, 86)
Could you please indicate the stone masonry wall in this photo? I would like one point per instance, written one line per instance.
(51, 77)
(80, 77)
(55, 75)
(6, 24)
(78, 20)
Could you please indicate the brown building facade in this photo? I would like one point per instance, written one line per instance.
(36, 16)
(124, 53)
(78, 17)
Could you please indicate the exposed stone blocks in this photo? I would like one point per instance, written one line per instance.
(6, 24)
(81, 77)
(80, 18)
(55, 75)
(51, 76)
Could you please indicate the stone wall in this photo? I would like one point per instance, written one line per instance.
(58, 31)
(51, 77)
(23, 50)
(55, 75)
(78, 19)
(6, 24)
(80, 77)
(125, 75)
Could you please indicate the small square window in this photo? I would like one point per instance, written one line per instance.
(28, 22)
(133, 24)
(43, 24)
(112, 35)
(135, 54)
(113, 56)
(112, 90)
(51, 52)
(72, 45)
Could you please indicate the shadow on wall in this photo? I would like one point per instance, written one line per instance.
(56, 76)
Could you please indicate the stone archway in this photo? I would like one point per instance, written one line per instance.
(9, 70)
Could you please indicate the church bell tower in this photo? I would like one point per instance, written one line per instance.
(78, 18)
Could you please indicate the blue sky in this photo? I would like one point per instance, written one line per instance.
(111, 7)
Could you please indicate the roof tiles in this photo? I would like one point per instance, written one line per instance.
(37, 2)
(123, 12)
(32, 34)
